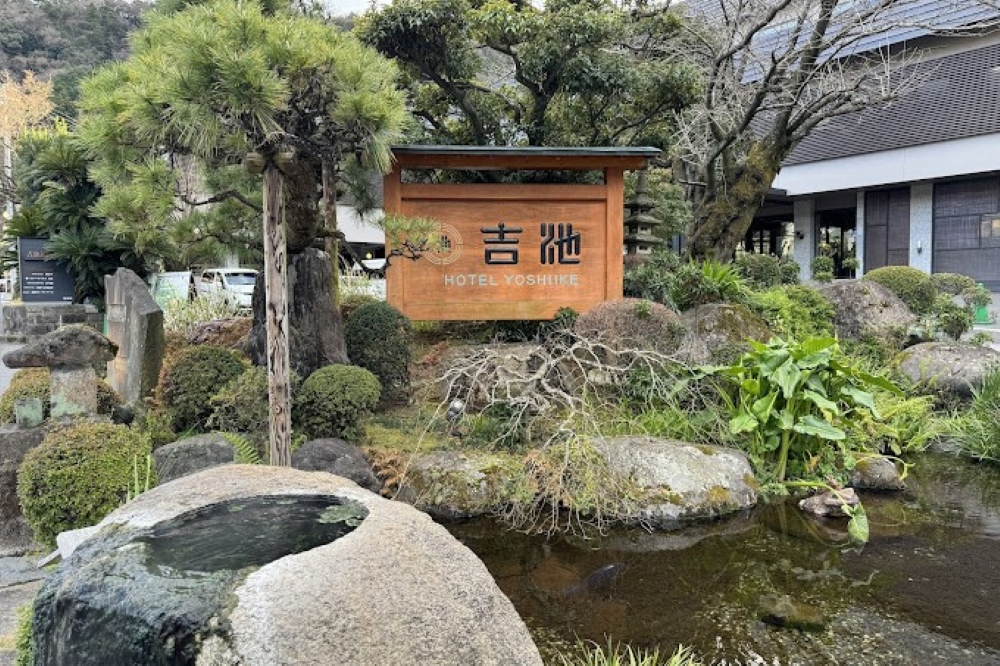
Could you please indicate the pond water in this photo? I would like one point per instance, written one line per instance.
(924, 590)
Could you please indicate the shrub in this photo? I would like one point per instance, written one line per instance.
(708, 282)
(794, 311)
(183, 316)
(77, 475)
(241, 406)
(378, 340)
(35, 383)
(761, 271)
(951, 318)
(789, 271)
(912, 285)
(631, 322)
(953, 284)
(334, 400)
(653, 279)
(822, 268)
(187, 385)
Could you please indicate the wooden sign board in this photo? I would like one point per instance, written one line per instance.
(509, 251)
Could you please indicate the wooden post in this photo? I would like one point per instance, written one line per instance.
(276, 290)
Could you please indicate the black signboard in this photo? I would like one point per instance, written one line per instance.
(42, 280)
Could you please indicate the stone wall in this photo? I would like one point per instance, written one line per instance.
(29, 321)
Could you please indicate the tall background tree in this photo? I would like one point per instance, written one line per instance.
(216, 81)
(575, 72)
(772, 71)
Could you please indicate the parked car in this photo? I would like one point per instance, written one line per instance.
(172, 285)
(235, 285)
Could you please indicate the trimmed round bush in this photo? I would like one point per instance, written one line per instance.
(789, 271)
(78, 475)
(378, 340)
(912, 285)
(36, 382)
(632, 323)
(761, 271)
(187, 386)
(953, 284)
(334, 401)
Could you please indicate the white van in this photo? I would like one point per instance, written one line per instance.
(233, 284)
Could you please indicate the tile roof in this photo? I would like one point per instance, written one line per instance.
(959, 98)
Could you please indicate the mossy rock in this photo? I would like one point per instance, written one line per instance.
(718, 332)
(452, 485)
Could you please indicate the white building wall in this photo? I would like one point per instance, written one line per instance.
(944, 159)
(921, 225)
(805, 231)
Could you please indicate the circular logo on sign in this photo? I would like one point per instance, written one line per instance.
(448, 246)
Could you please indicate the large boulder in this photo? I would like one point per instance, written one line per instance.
(452, 485)
(476, 374)
(257, 566)
(336, 457)
(15, 534)
(192, 454)
(68, 347)
(948, 366)
(865, 308)
(718, 332)
(681, 481)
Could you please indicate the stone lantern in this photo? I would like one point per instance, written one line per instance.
(639, 238)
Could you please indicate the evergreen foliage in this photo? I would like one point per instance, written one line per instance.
(334, 400)
(192, 378)
(378, 339)
(77, 475)
(913, 286)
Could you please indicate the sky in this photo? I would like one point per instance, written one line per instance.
(343, 7)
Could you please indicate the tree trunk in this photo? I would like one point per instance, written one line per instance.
(723, 220)
(316, 331)
(278, 386)
(331, 239)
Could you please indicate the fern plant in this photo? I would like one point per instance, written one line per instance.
(246, 452)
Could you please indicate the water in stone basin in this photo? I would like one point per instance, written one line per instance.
(922, 591)
(151, 596)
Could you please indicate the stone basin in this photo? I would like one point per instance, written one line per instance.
(256, 565)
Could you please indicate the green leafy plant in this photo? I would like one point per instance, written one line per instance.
(241, 406)
(978, 433)
(789, 271)
(796, 399)
(140, 483)
(794, 311)
(951, 318)
(707, 282)
(334, 400)
(246, 451)
(77, 475)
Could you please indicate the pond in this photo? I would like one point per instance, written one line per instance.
(923, 590)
